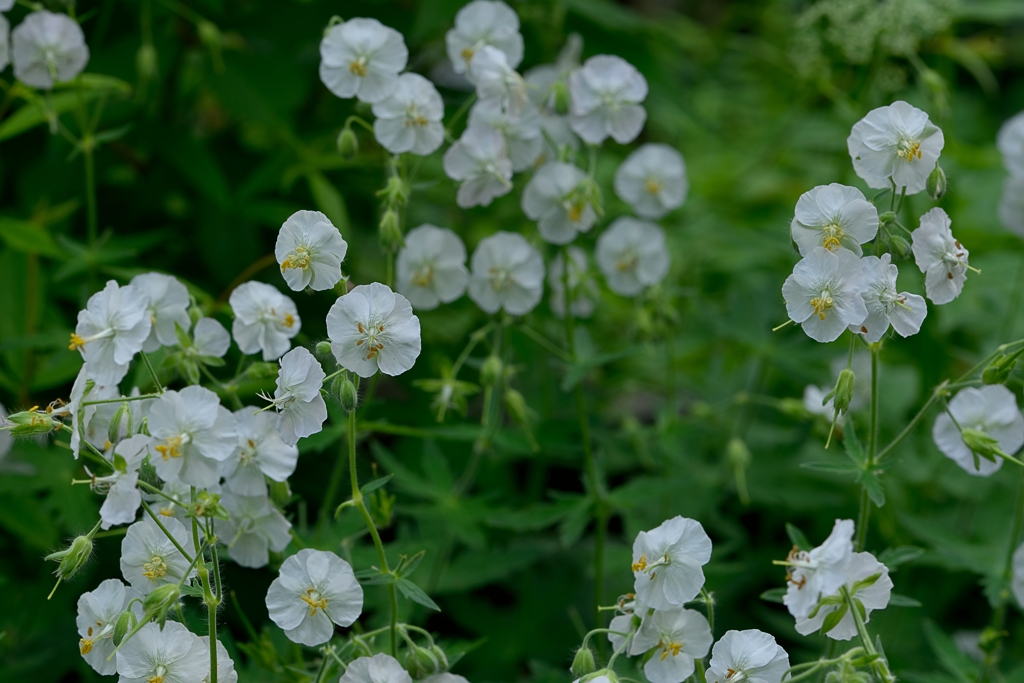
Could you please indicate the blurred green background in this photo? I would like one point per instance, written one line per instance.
(229, 131)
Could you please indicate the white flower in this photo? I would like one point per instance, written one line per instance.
(481, 23)
(264, 319)
(5, 56)
(373, 328)
(98, 611)
(260, 452)
(190, 435)
(904, 311)
(254, 527)
(362, 58)
(177, 491)
(123, 497)
(749, 656)
(300, 407)
(431, 267)
(444, 677)
(667, 563)
(632, 255)
(48, 48)
(507, 272)
(875, 596)
(210, 339)
(171, 654)
(315, 588)
(833, 216)
(557, 198)
(1017, 583)
(815, 403)
(82, 415)
(652, 180)
(498, 85)
(225, 667)
(583, 287)
(409, 120)
(627, 621)
(677, 636)
(941, 258)
(380, 668)
(1010, 142)
(110, 331)
(479, 160)
(896, 142)
(1011, 205)
(149, 559)
(990, 409)
(168, 304)
(606, 95)
(819, 572)
(824, 293)
(310, 250)
(522, 133)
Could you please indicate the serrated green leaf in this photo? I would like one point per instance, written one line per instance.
(851, 444)
(873, 485)
(28, 238)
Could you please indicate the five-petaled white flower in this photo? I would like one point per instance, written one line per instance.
(498, 85)
(632, 255)
(254, 528)
(362, 58)
(833, 216)
(310, 250)
(652, 180)
(121, 487)
(606, 95)
(480, 23)
(260, 452)
(149, 558)
(409, 119)
(265, 319)
(522, 133)
(940, 256)
(168, 305)
(862, 566)
(373, 328)
(110, 331)
(48, 48)
(380, 668)
(540, 81)
(300, 408)
(168, 654)
(98, 611)
(1010, 142)
(583, 287)
(507, 272)
(191, 434)
(990, 409)
(431, 267)
(897, 145)
(749, 656)
(5, 39)
(824, 293)
(818, 572)
(904, 311)
(209, 339)
(1011, 205)
(314, 588)
(678, 637)
(667, 563)
(479, 160)
(557, 198)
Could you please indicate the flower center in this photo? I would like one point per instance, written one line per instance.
(796, 562)
(499, 278)
(653, 185)
(672, 647)
(645, 567)
(171, 447)
(627, 260)
(575, 208)
(300, 258)
(467, 53)
(315, 601)
(822, 304)
(832, 235)
(413, 118)
(248, 453)
(358, 67)
(78, 342)
(954, 257)
(370, 332)
(734, 676)
(424, 275)
(158, 674)
(908, 150)
(156, 568)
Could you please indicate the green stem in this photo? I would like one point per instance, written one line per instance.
(173, 540)
(865, 500)
(709, 604)
(122, 399)
(989, 664)
(212, 605)
(90, 195)
(879, 666)
(152, 372)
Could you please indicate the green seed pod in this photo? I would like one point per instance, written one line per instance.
(899, 247)
(159, 601)
(981, 444)
(124, 625)
(583, 663)
(30, 423)
(348, 143)
(1000, 369)
(73, 557)
(936, 184)
(560, 97)
(348, 396)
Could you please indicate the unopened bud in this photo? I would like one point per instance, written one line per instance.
(159, 601)
(491, 371)
(420, 663)
(114, 428)
(280, 493)
(348, 396)
(583, 663)
(1000, 369)
(390, 232)
(262, 370)
(886, 219)
(516, 405)
(900, 247)
(981, 444)
(209, 34)
(323, 349)
(348, 143)
(72, 558)
(936, 185)
(124, 625)
(440, 656)
(601, 673)
(30, 423)
(737, 452)
(990, 639)
(560, 98)
(147, 62)
(842, 395)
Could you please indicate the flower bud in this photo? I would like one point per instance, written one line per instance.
(981, 444)
(1000, 369)
(390, 232)
(606, 673)
(347, 395)
(990, 639)
(280, 493)
(886, 219)
(124, 625)
(420, 663)
(348, 143)
(114, 428)
(73, 557)
(491, 371)
(30, 423)
(843, 393)
(209, 34)
(560, 97)
(737, 452)
(936, 185)
(147, 62)
(323, 349)
(442, 658)
(583, 663)
(899, 247)
(208, 505)
(516, 405)
(159, 601)
(262, 370)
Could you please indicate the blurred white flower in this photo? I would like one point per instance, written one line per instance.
(265, 319)
(652, 180)
(444, 677)
(522, 133)
(191, 433)
(626, 621)
(98, 611)
(260, 452)
(121, 487)
(632, 255)
(481, 23)
(990, 409)
(540, 81)
(310, 250)
(557, 198)
(48, 48)
(373, 328)
(254, 528)
(819, 572)
(168, 304)
(815, 403)
(431, 267)
(410, 119)
(5, 41)
(895, 142)
(507, 272)
(168, 654)
(210, 339)
(380, 668)
(479, 160)
(833, 216)
(82, 415)
(606, 95)
(940, 256)
(300, 407)
(905, 311)
(749, 656)
(498, 85)
(1017, 582)
(362, 58)
(876, 596)
(110, 331)
(1010, 142)
(583, 287)
(225, 667)
(824, 293)
(667, 563)
(149, 559)
(314, 588)
(1011, 205)
(678, 637)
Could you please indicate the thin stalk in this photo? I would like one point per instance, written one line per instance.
(173, 540)
(865, 500)
(92, 224)
(142, 397)
(152, 372)
(879, 666)
(212, 605)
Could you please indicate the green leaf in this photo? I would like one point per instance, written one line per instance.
(797, 537)
(774, 595)
(895, 556)
(578, 370)
(949, 657)
(873, 485)
(28, 238)
(375, 484)
(833, 618)
(416, 594)
(827, 466)
(865, 583)
(328, 199)
(851, 444)
(896, 600)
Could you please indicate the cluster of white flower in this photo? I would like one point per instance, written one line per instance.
(46, 48)
(1011, 146)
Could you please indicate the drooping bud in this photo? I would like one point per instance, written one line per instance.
(159, 601)
(323, 349)
(491, 371)
(124, 625)
(583, 663)
(348, 396)
(981, 444)
(886, 219)
(72, 558)
(560, 98)
(390, 232)
(842, 395)
(30, 423)
(348, 143)
(421, 662)
(114, 428)
(1000, 369)
(440, 656)
(737, 453)
(280, 493)
(936, 185)
(899, 247)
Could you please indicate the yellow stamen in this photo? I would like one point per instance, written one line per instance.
(156, 568)
(300, 258)
(423, 276)
(641, 564)
(289, 320)
(358, 67)
(673, 648)
(576, 211)
(76, 342)
(85, 644)
(467, 53)
(315, 601)
(171, 448)
(909, 150)
(834, 236)
(653, 185)
(415, 122)
(822, 304)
